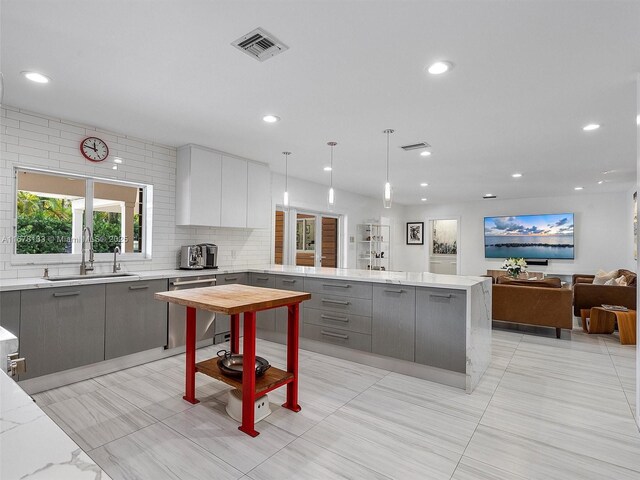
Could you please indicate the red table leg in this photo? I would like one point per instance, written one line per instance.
(292, 357)
(190, 377)
(249, 375)
(235, 333)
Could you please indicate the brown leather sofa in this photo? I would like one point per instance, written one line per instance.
(587, 295)
(544, 303)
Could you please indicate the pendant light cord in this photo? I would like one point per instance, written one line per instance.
(388, 132)
(331, 175)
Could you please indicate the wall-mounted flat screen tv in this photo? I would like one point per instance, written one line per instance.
(529, 236)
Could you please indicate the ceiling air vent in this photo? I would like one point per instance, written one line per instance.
(415, 146)
(260, 44)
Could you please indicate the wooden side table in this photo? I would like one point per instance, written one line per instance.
(600, 320)
(627, 327)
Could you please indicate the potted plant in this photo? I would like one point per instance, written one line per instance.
(515, 266)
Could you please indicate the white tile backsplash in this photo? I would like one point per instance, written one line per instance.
(34, 140)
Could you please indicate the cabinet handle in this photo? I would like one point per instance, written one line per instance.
(288, 281)
(138, 287)
(335, 335)
(262, 279)
(66, 294)
(193, 282)
(230, 279)
(440, 296)
(346, 285)
(330, 317)
(337, 302)
(394, 291)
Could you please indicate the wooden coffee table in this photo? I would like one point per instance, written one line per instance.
(603, 320)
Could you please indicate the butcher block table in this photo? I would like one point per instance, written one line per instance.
(234, 300)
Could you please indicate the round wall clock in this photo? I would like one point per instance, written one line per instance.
(94, 149)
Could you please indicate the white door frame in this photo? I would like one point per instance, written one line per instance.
(458, 219)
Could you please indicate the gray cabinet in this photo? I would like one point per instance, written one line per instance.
(10, 311)
(223, 325)
(441, 328)
(265, 320)
(334, 336)
(282, 314)
(345, 288)
(61, 328)
(393, 323)
(135, 321)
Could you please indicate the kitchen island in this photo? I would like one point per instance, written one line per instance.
(436, 327)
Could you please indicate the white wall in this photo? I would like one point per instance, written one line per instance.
(355, 208)
(34, 140)
(603, 231)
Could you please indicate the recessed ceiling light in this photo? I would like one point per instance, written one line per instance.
(488, 195)
(423, 199)
(578, 188)
(117, 160)
(590, 127)
(327, 169)
(439, 68)
(637, 119)
(271, 118)
(424, 184)
(115, 167)
(516, 175)
(607, 172)
(426, 153)
(36, 77)
(600, 182)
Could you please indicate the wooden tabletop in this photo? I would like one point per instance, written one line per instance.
(232, 299)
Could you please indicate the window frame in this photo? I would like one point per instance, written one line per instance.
(75, 258)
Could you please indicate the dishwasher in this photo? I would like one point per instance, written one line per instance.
(205, 321)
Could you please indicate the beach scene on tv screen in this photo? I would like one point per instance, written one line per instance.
(529, 236)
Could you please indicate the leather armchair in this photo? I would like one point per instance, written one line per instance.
(587, 295)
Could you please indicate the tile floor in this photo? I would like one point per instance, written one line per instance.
(545, 409)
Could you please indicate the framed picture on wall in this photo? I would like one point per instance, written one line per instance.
(415, 233)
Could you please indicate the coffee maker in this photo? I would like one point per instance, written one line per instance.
(209, 255)
(191, 257)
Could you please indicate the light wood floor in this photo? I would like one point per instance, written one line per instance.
(545, 409)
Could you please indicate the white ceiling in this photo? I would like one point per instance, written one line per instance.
(527, 77)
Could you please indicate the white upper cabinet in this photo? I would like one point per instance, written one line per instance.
(258, 196)
(198, 182)
(217, 190)
(234, 192)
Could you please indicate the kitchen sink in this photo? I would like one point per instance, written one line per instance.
(82, 277)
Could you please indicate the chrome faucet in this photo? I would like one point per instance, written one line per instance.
(83, 265)
(116, 268)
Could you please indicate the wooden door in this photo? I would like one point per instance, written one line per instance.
(329, 252)
(279, 238)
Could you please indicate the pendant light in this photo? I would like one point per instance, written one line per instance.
(331, 197)
(386, 197)
(286, 178)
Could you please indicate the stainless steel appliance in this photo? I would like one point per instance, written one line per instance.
(209, 255)
(205, 321)
(191, 257)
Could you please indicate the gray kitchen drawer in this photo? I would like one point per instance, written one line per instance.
(335, 336)
(262, 280)
(345, 288)
(354, 306)
(328, 318)
(289, 283)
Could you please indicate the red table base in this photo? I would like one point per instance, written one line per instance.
(249, 352)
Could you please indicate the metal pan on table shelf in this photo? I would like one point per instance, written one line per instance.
(231, 364)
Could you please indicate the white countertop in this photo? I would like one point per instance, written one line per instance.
(31, 444)
(419, 279)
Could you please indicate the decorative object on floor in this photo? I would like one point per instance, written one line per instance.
(515, 266)
(444, 239)
(529, 236)
(386, 198)
(415, 233)
(234, 406)
(285, 200)
(597, 320)
(232, 365)
(627, 327)
(331, 196)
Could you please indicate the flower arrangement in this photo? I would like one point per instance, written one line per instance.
(515, 266)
